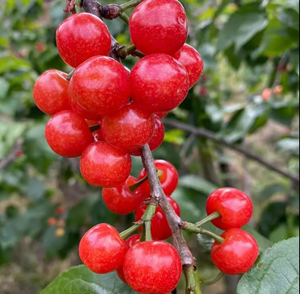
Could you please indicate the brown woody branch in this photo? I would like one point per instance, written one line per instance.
(13, 154)
(200, 132)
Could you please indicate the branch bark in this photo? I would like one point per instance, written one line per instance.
(200, 132)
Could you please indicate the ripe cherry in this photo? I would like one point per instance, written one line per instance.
(130, 242)
(158, 26)
(157, 137)
(128, 129)
(90, 115)
(68, 134)
(237, 254)
(162, 114)
(160, 229)
(105, 166)
(120, 199)
(100, 85)
(101, 249)
(190, 58)
(152, 267)
(82, 36)
(157, 90)
(50, 92)
(91, 122)
(234, 206)
(168, 178)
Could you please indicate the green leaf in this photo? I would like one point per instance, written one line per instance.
(174, 136)
(4, 86)
(242, 26)
(80, 280)
(277, 271)
(197, 183)
(289, 144)
(12, 63)
(271, 190)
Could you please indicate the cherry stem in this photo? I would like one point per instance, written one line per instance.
(125, 234)
(194, 229)
(133, 187)
(198, 282)
(214, 280)
(190, 279)
(69, 76)
(124, 16)
(130, 4)
(147, 217)
(209, 218)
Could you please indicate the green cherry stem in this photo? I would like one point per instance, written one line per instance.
(130, 4)
(209, 218)
(133, 187)
(198, 282)
(148, 215)
(69, 76)
(190, 279)
(125, 234)
(214, 280)
(124, 16)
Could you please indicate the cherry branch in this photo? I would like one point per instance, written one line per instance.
(174, 221)
(200, 132)
(13, 154)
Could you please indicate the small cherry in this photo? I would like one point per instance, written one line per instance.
(157, 137)
(105, 166)
(168, 178)
(101, 249)
(120, 199)
(100, 85)
(128, 129)
(68, 134)
(192, 61)
(130, 242)
(81, 36)
(160, 229)
(152, 267)
(234, 206)
(50, 92)
(237, 254)
(157, 90)
(158, 26)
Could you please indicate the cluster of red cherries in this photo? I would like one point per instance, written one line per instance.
(104, 113)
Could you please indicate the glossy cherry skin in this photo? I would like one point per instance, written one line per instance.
(68, 134)
(162, 114)
(168, 180)
(101, 249)
(130, 242)
(152, 267)
(81, 36)
(160, 229)
(90, 115)
(157, 137)
(100, 85)
(237, 254)
(105, 166)
(234, 206)
(120, 199)
(158, 26)
(128, 129)
(157, 90)
(50, 92)
(190, 58)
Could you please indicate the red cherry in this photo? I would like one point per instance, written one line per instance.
(128, 129)
(101, 249)
(105, 166)
(50, 92)
(157, 137)
(234, 206)
(68, 134)
(192, 61)
(158, 26)
(152, 267)
(162, 114)
(91, 122)
(98, 135)
(158, 90)
(237, 254)
(100, 85)
(130, 242)
(81, 36)
(60, 210)
(120, 199)
(168, 179)
(90, 115)
(160, 229)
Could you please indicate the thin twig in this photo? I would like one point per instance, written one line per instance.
(13, 154)
(238, 148)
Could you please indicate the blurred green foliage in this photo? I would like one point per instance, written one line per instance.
(247, 46)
